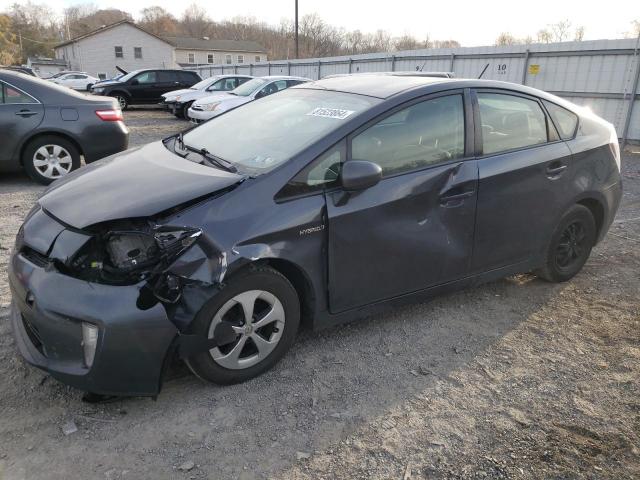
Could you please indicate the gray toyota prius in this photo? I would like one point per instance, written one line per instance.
(316, 205)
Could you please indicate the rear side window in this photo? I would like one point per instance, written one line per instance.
(166, 76)
(510, 122)
(13, 95)
(189, 77)
(565, 120)
(423, 134)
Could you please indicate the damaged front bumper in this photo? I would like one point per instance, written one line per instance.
(136, 336)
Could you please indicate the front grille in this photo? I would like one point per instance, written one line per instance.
(33, 334)
(35, 257)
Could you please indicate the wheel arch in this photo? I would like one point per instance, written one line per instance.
(596, 208)
(46, 133)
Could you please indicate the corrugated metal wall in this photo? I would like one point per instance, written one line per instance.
(600, 74)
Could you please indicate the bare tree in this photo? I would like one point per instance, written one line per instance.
(544, 36)
(505, 38)
(157, 20)
(195, 22)
(560, 30)
(9, 48)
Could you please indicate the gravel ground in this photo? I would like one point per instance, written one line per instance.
(515, 379)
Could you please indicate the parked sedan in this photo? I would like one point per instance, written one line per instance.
(146, 86)
(46, 128)
(179, 101)
(317, 205)
(213, 105)
(77, 81)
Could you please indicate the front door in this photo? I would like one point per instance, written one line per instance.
(19, 114)
(414, 229)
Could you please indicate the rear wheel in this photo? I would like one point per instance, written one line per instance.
(89, 87)
(50, 157)
(570, 245)
(263, 309)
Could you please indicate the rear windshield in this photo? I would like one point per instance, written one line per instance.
(263, 134)
(249, 87)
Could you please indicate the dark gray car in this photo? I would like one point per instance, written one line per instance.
(46, 128)
(315, 205)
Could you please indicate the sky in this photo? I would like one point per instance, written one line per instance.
(471, 22)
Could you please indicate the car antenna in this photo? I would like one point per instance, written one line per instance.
(483, 70)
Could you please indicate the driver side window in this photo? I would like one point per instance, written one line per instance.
(322, 173)
(146, 77)
(423, 134)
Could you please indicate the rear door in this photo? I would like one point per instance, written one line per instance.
(20, 113)
(524, 170)
(414, 229)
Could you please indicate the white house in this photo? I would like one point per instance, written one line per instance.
(126, 45)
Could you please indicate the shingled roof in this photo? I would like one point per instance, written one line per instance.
(193, 43)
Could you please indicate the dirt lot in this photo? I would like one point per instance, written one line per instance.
(515, 379)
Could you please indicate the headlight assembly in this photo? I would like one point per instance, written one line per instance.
(210, 106)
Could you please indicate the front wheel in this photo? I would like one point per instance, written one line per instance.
(185, 110)
(263, 310)
(570, 245)
(123, 101)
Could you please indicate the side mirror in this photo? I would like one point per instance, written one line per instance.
(135, 81)
(360, 174)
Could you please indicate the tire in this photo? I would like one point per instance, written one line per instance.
(185, 111)
(50, 157)
(122, 99)
(89, 87)
(250, 361)
(570, 245)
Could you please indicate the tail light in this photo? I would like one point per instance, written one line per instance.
(114, 115)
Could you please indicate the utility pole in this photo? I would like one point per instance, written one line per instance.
(297, 52)
(21, 51)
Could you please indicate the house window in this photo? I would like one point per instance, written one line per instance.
(240, 58)
(227, 59)
(119, 53)
(210, 58)
(192, 58)
(257, 58)
(137, 52)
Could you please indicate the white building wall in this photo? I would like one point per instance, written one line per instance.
(201, 57)
(96, 54)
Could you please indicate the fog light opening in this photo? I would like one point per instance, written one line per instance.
(89, 342)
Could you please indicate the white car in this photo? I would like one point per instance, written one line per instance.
(77, 81)
(179, 101)
(212, 106)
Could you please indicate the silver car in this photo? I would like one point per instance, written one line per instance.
(179, 101)
(212, 106)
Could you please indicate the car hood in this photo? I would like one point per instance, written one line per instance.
(198, 94)
(107, 83)
(216, 97)
(175, 93)
(140, 182)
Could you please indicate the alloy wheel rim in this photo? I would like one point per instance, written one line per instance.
(571, 246)
(52, 161)
(122, 102)
(257, 317)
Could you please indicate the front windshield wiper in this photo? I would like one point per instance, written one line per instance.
(207, 155)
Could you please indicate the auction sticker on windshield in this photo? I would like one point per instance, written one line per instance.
(338, 113)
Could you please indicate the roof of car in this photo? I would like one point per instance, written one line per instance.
(284, 77)
(380, 85)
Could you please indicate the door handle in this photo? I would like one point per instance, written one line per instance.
(446, 200)
(555, 169)
(26, 113)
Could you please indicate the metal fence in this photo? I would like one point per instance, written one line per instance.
(600, 74)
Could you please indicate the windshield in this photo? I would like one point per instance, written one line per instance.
(129, 76)
(202, 84)
(249, 87)
(259, 136)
